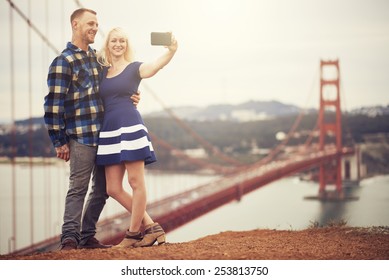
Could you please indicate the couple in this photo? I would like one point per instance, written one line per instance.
(92, 120)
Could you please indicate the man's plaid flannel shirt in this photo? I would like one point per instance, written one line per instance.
(72, 106)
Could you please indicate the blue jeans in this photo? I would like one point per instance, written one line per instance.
(82, 167)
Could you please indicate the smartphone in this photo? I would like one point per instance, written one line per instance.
(161, 38)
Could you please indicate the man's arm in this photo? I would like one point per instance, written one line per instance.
(135, 98)
(58, 82)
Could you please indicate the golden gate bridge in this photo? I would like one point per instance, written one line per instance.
(334, 162)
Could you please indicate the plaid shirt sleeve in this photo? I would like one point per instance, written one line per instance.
(58, 81)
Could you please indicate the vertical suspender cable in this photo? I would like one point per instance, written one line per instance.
(13, 240)
(60, 166)
(30, 131)
(31, 25)
(47, 187)
(46, 159)
(46, 164)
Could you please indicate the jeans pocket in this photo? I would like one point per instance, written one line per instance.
(82, 157)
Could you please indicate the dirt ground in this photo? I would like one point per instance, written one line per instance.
(329, 243)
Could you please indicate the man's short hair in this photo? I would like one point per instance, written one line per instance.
(79, 12)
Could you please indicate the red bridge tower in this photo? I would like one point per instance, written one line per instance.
(330, 125)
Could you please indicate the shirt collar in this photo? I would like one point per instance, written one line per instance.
(77, 49)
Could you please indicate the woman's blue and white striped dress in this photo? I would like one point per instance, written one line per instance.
(124, 136)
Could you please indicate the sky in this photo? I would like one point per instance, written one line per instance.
(230, 51)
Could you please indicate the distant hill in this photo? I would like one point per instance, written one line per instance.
(33, 121)
(371, 111)
(248, 111)
(253, 111)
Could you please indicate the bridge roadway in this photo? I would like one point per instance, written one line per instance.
(174, 211)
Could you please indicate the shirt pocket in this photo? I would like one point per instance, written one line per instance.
(82, 80)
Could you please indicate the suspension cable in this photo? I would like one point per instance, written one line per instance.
(196, 161)
(294, 127)
(30, 131)
(349, 135)
(183, 125)
(31, 25)
(13, 240)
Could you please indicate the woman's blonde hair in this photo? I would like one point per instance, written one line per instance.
(104, 56)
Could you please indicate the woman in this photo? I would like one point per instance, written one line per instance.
(124, 143)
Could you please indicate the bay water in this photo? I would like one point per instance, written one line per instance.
(32, 201)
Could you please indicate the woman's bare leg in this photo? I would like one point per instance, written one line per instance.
(135, 173)
(114, 176)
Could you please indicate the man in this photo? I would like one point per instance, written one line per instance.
(73, 114)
